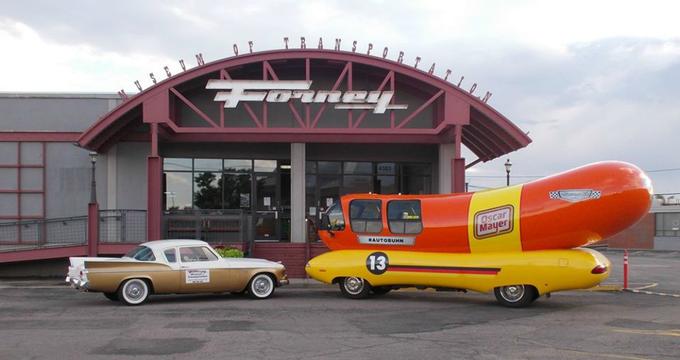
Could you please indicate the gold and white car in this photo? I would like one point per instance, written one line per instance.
(174, 267)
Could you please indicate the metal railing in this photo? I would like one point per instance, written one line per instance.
(28, 234)
(122, 226)
(116, 226)
(213, 226)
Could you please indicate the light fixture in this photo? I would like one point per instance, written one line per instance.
(93, 157)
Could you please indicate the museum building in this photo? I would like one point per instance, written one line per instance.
(245, 151)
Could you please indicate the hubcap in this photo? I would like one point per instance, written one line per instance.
(262, 285)
(512, 293)
(135, 291)
(354, 285)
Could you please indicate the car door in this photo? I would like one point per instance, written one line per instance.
(201, 270)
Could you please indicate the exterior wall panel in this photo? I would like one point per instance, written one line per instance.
(131, 175)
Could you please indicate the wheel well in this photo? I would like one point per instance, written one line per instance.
(148, 282)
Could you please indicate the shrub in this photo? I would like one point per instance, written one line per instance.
(230, 252)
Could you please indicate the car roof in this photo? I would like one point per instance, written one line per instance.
(156, 244)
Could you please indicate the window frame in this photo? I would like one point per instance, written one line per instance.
(420, 217)
(379, 218)
(179, 252)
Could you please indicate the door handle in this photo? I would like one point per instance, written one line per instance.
(183, 267)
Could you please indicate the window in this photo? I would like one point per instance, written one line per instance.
(170, 255)
(365, 216)
(668, 224)
(196, 253)
(336, 220)
(403, 217)
(141, 253)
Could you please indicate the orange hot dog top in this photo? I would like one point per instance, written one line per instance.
(566, 210)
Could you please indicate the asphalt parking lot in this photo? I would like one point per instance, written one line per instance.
(42, 319)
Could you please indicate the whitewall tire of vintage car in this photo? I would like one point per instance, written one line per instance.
(261, 286)
(133, 292)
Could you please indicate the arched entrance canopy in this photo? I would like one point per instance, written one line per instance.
(438, 111)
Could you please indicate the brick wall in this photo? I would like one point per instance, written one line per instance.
(293, 255)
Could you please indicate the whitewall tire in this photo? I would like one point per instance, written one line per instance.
(133, 292)
(261, 286)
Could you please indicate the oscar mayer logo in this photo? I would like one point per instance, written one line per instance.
(494, 222)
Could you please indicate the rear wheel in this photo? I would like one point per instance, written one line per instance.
(515, 295)
(111, 296)
(133, 292)
(354, 287)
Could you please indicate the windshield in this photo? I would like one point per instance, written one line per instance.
(141, 253)
(336, 220)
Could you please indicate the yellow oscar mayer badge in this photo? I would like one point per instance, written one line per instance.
(494, 221)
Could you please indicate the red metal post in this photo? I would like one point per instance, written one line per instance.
(154, 201)
(92, 229)
(625, 269)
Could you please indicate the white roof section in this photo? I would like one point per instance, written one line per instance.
(157, 244)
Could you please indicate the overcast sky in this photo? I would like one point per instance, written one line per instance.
(590, 80)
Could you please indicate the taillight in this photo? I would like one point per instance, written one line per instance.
(599, 269)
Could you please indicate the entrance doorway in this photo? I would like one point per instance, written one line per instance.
(271, 213)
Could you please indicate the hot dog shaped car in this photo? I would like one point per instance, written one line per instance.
(174, 266)
(517, 241)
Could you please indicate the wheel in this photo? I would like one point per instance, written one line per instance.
(354, 287)
(111, 296)
(515, 295)
(261, 286)
(381, 290)
(133, 292)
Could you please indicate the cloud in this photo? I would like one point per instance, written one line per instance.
(589, 80)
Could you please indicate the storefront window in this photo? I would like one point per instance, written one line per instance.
(238, 165)
(265, 165)
(352, 184)
(386, 185)
(178, 190)
(175, 164)
(236, 191)
(207, 165)
(208, 190)
(329, 167)
(352, 167)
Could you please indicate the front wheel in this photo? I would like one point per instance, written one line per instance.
(515, 295)
(133, 292)
(354, 287)
(261, 286)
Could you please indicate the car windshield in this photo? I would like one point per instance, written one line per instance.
(141, 253)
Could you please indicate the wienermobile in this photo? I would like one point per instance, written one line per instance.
(520, 242)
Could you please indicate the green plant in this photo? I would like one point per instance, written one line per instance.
(230, 252)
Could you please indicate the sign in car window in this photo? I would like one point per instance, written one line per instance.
(197, 276)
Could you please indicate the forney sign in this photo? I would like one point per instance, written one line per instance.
(282, 91)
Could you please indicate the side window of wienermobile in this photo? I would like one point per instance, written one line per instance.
(333, 219)
(364, 216)
(404, 216)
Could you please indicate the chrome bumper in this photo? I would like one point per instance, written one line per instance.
(284, 282)
(77, 283)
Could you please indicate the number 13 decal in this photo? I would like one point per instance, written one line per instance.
(377, 263)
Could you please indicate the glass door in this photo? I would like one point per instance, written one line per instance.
(272, 200)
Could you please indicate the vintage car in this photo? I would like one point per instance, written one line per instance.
(520, 241)
(174, 267)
